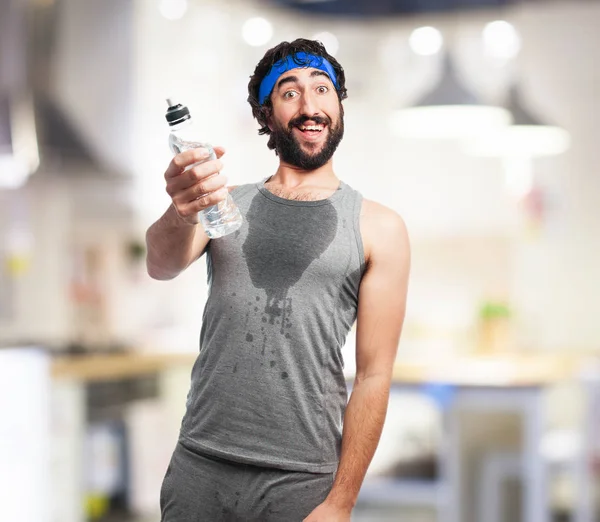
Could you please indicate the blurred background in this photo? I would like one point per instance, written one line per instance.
(476, 120)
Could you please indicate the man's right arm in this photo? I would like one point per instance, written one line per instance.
(177, 239)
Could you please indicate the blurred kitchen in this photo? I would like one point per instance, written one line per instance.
(476, 120)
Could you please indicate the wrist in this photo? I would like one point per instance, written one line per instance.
(177, 220)
(341, 501)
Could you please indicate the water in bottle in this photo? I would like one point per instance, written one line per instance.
(220, 219)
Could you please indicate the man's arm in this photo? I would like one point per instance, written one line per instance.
(176, 240)
(381, 309)
(173, 244)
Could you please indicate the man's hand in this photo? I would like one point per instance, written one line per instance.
(195, 188)
(328, 512)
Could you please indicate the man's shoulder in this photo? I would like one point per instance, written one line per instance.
(381, 226)
(377, 215)
(242, 188)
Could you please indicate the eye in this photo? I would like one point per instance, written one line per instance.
(288, 95)
(322, 89)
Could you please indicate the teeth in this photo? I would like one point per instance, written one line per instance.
(312, 127)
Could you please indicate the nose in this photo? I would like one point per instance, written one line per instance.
(309, 104)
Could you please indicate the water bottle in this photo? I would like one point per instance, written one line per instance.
(224, 217)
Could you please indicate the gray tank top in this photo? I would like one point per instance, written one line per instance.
(268, 385)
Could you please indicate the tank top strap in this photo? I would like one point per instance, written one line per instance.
(350, 206)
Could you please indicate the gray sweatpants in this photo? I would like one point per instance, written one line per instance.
(198, 488)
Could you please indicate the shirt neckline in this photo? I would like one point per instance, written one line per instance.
(299, 203)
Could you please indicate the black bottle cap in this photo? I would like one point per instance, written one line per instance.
(177, 112)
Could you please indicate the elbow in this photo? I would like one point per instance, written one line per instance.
(157, 273)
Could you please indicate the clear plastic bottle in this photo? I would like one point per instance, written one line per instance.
(220, 219)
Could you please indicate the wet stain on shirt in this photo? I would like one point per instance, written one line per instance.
(278, 251)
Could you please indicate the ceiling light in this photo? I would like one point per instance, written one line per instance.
(173, 9)
(518, 144)
(19, 156)
(501, 40)
(426, 41)
(257, 31)
(527, 136)
(449, 111)
(329, 40)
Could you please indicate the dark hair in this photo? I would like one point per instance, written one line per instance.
(274, 55)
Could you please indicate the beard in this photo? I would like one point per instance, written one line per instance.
(289, 149)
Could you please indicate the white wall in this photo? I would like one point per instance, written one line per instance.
(557, 282)
(39, 310)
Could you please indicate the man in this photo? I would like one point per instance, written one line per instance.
(268, 434)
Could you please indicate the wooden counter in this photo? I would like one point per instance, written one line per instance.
(111, 367)
(506, 370)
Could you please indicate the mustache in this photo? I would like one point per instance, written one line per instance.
(301, 120)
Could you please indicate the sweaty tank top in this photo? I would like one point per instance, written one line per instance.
(267, 387)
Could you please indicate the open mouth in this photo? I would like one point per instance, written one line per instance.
(311, 131)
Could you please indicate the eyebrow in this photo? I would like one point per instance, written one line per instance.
(294, 79)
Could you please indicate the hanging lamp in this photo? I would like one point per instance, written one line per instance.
(527, 136)
(19, 155)
(448, 111)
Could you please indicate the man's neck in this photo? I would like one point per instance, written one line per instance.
(291, 177)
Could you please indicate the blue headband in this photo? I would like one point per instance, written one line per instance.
(294, 62)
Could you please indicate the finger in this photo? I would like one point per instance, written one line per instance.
(201, 189)
(185, 159)
(206, 201)
(192, 176)
(219, 151)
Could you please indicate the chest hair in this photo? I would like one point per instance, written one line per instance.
(299, 194)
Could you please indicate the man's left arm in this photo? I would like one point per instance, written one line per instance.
(381, 309)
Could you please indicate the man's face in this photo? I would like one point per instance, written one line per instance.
(307, 121)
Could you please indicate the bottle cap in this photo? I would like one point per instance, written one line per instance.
(176, 112)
